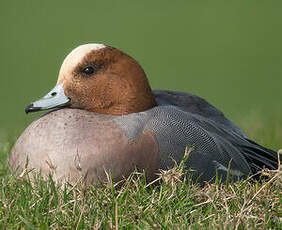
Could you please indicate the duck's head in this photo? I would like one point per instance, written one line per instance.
(100, 79)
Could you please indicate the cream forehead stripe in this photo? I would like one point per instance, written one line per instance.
(77, 55)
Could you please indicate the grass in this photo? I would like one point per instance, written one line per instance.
(29, 202)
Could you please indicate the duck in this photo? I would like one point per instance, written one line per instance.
(104, 120)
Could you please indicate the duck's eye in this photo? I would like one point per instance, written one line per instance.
(88, 70)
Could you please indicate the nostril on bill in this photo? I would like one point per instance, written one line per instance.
(53, 94)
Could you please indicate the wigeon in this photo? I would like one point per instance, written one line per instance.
(108, 121)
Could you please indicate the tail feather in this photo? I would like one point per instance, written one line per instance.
(259, 157)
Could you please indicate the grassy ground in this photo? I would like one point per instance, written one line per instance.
(175, 204)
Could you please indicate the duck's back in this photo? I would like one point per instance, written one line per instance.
(197, 106)
(183, 120)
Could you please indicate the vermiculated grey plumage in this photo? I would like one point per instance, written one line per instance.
(184, 120)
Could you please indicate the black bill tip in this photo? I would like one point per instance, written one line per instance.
(30, 108)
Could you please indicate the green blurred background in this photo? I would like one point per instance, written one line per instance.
(229, 52)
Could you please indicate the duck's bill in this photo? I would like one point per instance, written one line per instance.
(54, 99)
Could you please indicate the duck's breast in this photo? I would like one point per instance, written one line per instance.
(73, 143)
